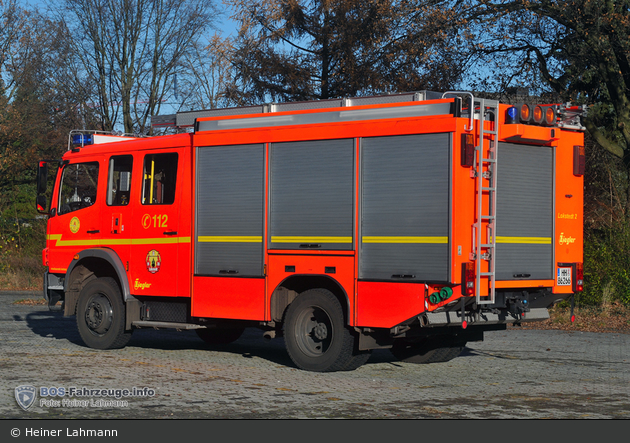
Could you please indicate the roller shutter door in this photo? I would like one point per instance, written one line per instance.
(311, 199)
(405, 207)
(229, 210)
(524, 212)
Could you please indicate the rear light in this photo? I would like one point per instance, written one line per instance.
(468, 150)
(546, 115)
(538, 115)
(468, 278)
(578, 281)
(579, 160)
(550, 116)
(525, 113)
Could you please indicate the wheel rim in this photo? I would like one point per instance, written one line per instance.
(99, 314)
(314, 331)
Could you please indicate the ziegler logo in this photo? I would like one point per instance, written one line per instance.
(139, 285)
(566, 240)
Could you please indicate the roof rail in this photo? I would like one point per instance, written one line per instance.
(187, 119)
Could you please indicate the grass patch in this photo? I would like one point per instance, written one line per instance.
(21, 273)
(31, 302)
(611, 317)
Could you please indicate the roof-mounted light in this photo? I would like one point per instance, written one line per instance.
(80, 140)
(538, 115)
(525, 112)
(511, 115)
(550, 115)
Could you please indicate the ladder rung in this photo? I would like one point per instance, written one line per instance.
(485, 302)
(488, 217)
(487, 274)
(488, 246)
(489, 160)
(488, 188)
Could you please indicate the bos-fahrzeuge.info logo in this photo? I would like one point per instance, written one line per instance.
(73, 397)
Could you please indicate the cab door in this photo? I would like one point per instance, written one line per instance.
(77, 222)
(154, 265)
(117, 212)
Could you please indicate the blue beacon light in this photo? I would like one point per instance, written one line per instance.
(511, 115)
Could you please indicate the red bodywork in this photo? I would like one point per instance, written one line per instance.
(155, 243)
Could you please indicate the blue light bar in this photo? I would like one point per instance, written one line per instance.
(82, 139)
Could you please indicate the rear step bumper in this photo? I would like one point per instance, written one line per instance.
(451, 318)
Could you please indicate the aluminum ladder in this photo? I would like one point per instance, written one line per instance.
(484, 171)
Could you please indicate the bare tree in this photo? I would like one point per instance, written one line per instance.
(211, 71)
(131, 50)
(14, 44)
(307, 49)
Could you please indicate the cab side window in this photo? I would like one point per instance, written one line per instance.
(119, 180)
(159, 179)
(79, 183)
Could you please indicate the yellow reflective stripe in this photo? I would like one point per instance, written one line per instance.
(371, 239)
(229, 239)
(156, 241)
(525, 240)
(289, 239)
(57, 238)
(85, 242)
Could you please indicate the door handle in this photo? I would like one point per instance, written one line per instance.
(94, 231)
(228, 271)
(170, 233)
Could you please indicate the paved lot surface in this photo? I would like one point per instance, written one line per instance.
(512, 374)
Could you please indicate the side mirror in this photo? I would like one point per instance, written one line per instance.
(42, 177)
(41, 204)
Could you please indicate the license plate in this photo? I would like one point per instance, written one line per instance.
(564, 277)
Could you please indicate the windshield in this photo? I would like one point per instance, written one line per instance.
(78, 187)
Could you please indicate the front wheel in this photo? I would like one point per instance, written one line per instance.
(101, 315)
(316, 336)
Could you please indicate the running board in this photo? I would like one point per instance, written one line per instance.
(450, 318)
(165, 325)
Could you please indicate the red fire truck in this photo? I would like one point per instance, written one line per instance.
(412, 222)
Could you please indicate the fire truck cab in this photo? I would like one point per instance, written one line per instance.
(414, 222)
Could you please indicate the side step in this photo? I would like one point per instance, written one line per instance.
(165, 325)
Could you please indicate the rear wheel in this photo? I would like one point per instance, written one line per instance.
(101, 315)
(222, 336)
(426, 351)
(316, 335)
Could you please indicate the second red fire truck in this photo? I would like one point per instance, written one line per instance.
(414, 222)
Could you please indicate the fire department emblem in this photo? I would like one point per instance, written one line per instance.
(75, 224)
(25, 396)
(154, 261)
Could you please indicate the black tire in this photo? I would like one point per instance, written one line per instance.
(101, 315)
(316, 336)
(219, 336)
(357, 360)
(425, 352)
